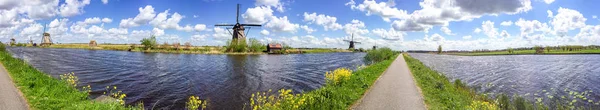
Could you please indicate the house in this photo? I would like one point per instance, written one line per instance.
(274, 48)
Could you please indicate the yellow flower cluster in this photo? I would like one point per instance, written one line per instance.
(482, 105)
(285, 100)
(119, 95)
(70, 78)
(338, 75)
(194, 103)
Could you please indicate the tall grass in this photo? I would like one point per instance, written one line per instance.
(45, 92)
(343, 87)
(378, 55)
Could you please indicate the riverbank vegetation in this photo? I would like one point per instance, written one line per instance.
(441, 94)
(342, 88)
(550, 50)
(45, 92)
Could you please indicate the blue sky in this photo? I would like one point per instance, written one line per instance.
(398, 24)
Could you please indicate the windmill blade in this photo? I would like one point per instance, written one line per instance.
(347, 40)
(356, 42)
(251, 25)
(237, 15)
(224, 24)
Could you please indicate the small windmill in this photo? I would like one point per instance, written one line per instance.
(352, 42)
(238, 29)
(46, 41)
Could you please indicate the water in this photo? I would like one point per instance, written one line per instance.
(165, 81)
(522, 74)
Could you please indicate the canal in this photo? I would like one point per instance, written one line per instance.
(534, 77)
(165, 81)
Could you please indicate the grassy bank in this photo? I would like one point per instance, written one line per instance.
(441, 94)
(343, 88)
(529, 52)
(45, 92)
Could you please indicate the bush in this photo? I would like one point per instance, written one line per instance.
(176, 45)
(187, 45)
(236, 45)
(256, 46)
(2, 47)
(149, 43)
(378, 55)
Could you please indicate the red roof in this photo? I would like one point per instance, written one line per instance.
(275, 46)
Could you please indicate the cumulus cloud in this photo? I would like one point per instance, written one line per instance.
(528, 27)
(566, 20)
(548, 1)
(146, 15)
(106, 20)
(384, 9)
(271, 3)
(467, 37)
(550, 14)
(390, 34)
(477, 30)
(104, 1)
(506, 23)
(73, 7)
(446, 30)
(258, 15)
(307, 29)
(489, 29)
(264, 32)
(355, 27)
(282, 24)
(200, 27)
(328, 22)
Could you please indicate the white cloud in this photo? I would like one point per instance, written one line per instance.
(566, 20)
(446, 30)
(264, 32)
(328, 22)
(477, 30)
(258, 15)
(589, 35)
(146, 15)
(467, 37)
(271, 3)
(528, 27)
(504, 34)
(390, 34)
(489, 29)
(384, 9)
(355, 27)
(198, 37)
(435, 37)
(548, 1)
(73, 7)
(308, 29)
(221, 34)
(106, 20)
(550, 14)
(595, 17)
(163, 22)
(506, 23)
(282, 24)
(158, 32)
(104, 1)
(94, 20)
(200, 27)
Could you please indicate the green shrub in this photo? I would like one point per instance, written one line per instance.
(149, 43)
(378, 55)
(256, 46)
(2, 47)
(440, 49)
(236, 45)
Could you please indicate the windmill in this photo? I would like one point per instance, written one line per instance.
(352, 42)
(46, 41)
(238, 29)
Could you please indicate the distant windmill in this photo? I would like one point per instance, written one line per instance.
(352, 42)
(238, 29)
(46, 41)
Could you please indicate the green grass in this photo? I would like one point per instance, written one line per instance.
(439, 93)
(45, 92)
(529, 52)
(343, 95)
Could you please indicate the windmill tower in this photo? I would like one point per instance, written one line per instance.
(46, 40)
(351, 41)
(238, 29)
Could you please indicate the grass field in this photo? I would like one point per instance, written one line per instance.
(47, 93)
(529, 52)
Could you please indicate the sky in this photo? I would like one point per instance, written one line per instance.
(398, 24)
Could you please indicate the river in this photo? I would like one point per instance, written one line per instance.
(165, 81)
(531, 76)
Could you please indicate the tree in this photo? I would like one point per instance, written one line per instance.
(166, 46)
(149, 43)
(187, 45)
(440, 49)
(548, 49)
(176, 45)
(510, 50)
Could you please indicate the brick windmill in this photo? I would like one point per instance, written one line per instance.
(238, 29)
(46, 40)
(351, 41)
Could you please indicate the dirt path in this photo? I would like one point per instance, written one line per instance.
(10, 96)
(394, 90)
